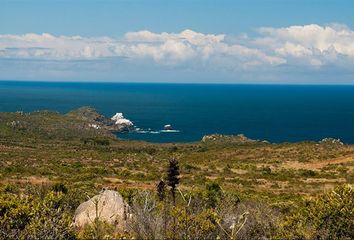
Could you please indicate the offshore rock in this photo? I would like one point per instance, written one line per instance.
(123, 123)
(168, 127)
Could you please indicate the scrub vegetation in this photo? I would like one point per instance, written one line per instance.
(224, 187)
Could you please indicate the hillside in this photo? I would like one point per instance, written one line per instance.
(41, 149)
(51, 147)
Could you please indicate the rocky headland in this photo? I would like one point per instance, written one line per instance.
(96, 120)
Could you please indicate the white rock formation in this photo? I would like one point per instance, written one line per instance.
(120, 120)
(168, 127)
(332, 141)
(95, 126)
(107, 206)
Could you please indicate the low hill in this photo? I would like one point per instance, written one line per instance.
(82, 123)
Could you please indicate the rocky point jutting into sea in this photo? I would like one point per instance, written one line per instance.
(96, 120)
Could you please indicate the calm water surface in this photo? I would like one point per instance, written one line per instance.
(277, 113)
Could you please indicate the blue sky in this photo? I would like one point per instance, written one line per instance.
(178, 41)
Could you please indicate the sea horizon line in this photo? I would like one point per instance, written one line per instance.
(173, 83)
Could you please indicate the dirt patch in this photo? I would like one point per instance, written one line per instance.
(33, 180)
(239, 171)
(319, 164)
(325, 180)
(133, 185)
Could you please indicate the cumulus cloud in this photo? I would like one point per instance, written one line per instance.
(186, 36)
(163, 48)
(310, 44)
(313, 46)
(47, 46)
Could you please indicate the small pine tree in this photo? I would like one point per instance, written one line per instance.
(173, 178)
(161, 187)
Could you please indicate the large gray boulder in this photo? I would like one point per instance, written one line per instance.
(108, 206)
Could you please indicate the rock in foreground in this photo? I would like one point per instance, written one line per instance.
(107, 206)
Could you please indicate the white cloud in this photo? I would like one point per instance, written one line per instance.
(185, 36)
(46, 46)
(312, 46)
(315, 36)
(189, 46)
(163, 49)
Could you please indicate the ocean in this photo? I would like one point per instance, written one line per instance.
(277, 113)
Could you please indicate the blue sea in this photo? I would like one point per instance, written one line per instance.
(277, 113)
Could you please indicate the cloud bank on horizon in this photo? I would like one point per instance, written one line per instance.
(311, 48)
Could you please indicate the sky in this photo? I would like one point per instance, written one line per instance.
(183, 41)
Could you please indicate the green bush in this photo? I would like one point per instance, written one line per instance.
(97, 230)
(213, 194)
(30, 217)
(329, 216)
(308, 173)
(60, 187)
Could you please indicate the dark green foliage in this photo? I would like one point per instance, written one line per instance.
(129, 195)
(60, 187)
(308, 173)
(8, 188)
(97, 230)
(96, 141)
(173, 177)
(266, 170)
(161, 188)
(213, 194)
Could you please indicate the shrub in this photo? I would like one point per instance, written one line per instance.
(30, 217)
(266, 170)
(97, 230)
(308, 173)
(213, 194)
(193, 224)
(60, 187)
(329, 216)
